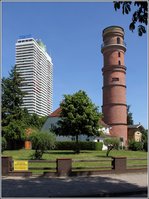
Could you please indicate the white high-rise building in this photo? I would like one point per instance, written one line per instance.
(35, 67)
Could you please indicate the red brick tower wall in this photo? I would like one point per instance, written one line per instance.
(114, 85)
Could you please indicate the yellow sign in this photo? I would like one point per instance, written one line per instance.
(20, 165)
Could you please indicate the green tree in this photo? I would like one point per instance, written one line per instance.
(140, 16)
(111, 143)
(42, 141)
(79, 116)
(3, 144)
(35, 121)
(12, 97)
(13, 126)
(129, 116)
(16, 119)
(145, 139)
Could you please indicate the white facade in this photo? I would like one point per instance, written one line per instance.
(105, 131)
(36, 68)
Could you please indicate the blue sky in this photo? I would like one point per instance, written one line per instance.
(72, 33)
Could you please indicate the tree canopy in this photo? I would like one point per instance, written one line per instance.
(13, 126)
(140, 15)
(129, 116)
(79, 116)
(16, 119)
(12, 97)
(111, 143)
(42, 141)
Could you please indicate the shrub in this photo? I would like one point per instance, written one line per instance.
(71, 145)
(145, 146)
(111, 143)
(145, 140)
(42, 141)
(122, 147)
(135, 146)
(65, 145)
(4, 144)
(86, 145)
(98, 146)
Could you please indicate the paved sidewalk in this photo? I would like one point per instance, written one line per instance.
(110, 185)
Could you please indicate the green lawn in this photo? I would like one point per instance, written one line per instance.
(54, 154)
(84, 155)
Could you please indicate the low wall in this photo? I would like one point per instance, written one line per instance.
(64, 168)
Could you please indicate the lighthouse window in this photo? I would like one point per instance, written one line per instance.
(118, 40)
(114, 79)
(119, 62)
(119, 54)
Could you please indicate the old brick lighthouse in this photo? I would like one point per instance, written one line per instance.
(114, 106)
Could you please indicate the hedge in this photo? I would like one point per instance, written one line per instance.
(71, 145)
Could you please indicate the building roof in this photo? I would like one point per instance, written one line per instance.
(111, 27)
(134, 126)
(102, 123)
(56, 113)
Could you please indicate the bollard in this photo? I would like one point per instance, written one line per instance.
(6, 165)
(28, 144)
(119, 164)
(64, 167)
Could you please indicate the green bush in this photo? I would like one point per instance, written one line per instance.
(87, 145)
(122, 147)
(135, 146)
(111, 143)
(98, 146)
(42, 141)
(4, 144)
(71, 145)
(145, 146)
(65, 145)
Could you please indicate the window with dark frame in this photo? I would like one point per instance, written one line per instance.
(119, 54)
(115, 79)
(119, 62)
(118, 40)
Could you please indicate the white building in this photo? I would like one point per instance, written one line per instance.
(55, 117)
(36, 68)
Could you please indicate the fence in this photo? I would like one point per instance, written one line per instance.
(133, 163)
(67, 167)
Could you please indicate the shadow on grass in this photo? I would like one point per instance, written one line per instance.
(59, 152)
(65, 152)
(103, 156)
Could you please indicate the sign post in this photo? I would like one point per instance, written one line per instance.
(20, 165)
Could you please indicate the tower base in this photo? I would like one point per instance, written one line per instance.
(120, 131)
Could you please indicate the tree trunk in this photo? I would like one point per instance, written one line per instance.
(108, 150)
(77, 139)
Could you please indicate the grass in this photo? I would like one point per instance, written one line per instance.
(54, 154)
(84, 155)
